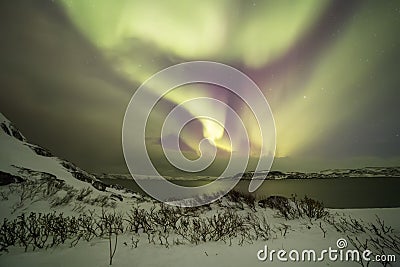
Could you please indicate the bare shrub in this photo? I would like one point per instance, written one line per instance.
(65, 200)
(240, 198)
(83, 193)
(311, 208)
(293, 208)
(376, 236)
(280, 203)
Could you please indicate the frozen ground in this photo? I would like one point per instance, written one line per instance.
(301, 234)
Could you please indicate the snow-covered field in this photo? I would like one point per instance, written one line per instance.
(300, 234)
(229, 232)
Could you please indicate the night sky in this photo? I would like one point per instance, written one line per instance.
(329, 70)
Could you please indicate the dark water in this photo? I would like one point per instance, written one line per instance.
(376, 192)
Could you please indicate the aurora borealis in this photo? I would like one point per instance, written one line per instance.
(329, 70)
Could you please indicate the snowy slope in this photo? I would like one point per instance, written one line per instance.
(20, 158)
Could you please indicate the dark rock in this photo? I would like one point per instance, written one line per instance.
(40, 150)
(82, 176)
(99, 185)
(276, 173)
(5, 128)
(116, 196)
(117, 186)
(17, 134)
(7, 178)
(69, 166)
(48, 176)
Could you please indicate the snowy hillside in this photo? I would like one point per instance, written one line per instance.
(21, 160)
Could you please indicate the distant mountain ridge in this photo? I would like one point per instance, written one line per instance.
(330, 173)
(278, 175)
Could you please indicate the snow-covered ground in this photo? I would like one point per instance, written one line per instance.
(302, 234)
(76, 193)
